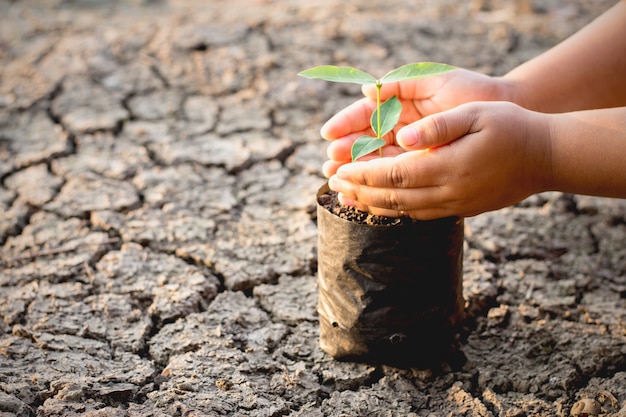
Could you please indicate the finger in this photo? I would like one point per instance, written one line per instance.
(388, 152)
(406, 170)
(428, 213)
(340, 149)
(329, 168)
(438, 129)
(373, 210)
(395, 199)
(339, 154)
(417, 89)
(354, 118)
(387, 91)
(369, 91)
(379, 211)
(423, 204)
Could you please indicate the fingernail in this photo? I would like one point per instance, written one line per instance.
(345, 201)
(324, 131)
(342, 175)
(333, 182)
(407, 137)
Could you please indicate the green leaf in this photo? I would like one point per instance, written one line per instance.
(339, 74)
(365, 145)
(413, 71)
(389, 115)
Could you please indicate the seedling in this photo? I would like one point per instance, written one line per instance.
(387, 114)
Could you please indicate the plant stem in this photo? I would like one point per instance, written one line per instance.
(378, 135)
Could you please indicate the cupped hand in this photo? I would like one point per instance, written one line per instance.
(419, 98)
(474, 158)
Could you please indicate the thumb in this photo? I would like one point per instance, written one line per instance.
(369, 91)
(387, 91)
(438, 129)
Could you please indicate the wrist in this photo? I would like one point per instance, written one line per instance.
(541, 152)
(585, 152)
(544, 134)
(512, 90)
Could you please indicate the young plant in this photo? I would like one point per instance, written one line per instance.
(387, 114)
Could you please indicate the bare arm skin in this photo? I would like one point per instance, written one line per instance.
(586, 71)
(589, 152)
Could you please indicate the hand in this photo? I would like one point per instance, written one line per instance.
(419, 98)
(474, 158)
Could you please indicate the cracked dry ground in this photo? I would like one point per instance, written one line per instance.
(158, 163)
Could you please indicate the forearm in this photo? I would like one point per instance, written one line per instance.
(586, 71)
(588, 152)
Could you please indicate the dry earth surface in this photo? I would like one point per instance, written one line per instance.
(158, 164)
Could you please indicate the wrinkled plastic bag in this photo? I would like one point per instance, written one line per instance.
(389, 294)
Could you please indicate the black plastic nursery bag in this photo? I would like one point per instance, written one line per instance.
(389, 294)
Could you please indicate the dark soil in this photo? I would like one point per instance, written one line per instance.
(331, 203)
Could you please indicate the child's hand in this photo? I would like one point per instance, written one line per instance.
(474, 158)
(420, 98)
